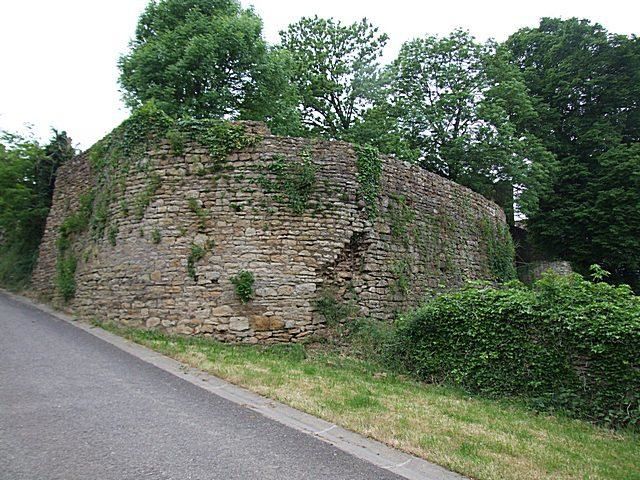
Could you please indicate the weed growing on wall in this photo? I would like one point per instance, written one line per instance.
(66, 261)
(243, 283)
(401, 284)
(334, 311)
(218, 136)
(143, 199)
(155, 236)
(293, 182)
(200, 212)
(401, 216)
(369, 168)
(196, 253)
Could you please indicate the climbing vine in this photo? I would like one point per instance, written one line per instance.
(369, 168)
(401, 216)
(111, 160)
(291, 182)
(500, 250)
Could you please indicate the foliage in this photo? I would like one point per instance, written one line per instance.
(243, 283)
(219, 136)
(584, 85)
(155, 236)
(369, 166)
(500, 250)
(143, 199)
(196, 253)
(27, 176)
(401, 217)
(275, 99)
(335, 70)
(65, 275)
(294, 181)
(566, 344)
(194, 57)
(401, 284)
(463, 107)
(333, 311)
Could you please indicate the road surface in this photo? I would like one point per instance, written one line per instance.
(73, 406)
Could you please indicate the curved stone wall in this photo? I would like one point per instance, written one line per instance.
(426, 235)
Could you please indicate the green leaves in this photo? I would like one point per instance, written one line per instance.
(566, 343)
(462, 107)
(194, 57)
(243, 283)
(336, 71)
(27, 176)
(583, 82)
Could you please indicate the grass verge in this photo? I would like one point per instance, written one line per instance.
(480, 438)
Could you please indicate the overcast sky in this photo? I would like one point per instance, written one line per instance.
(59, 56)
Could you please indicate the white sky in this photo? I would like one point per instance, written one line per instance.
(59, 57)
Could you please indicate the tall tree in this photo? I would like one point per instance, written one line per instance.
(336, 71)
(463, 109)
(194, 57)
(27, 176)
(586, 84)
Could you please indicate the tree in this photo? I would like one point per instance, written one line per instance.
(274, 98)
(194, 57)
(463, 108)
(336, 71)
(585, 83)
(27, 176)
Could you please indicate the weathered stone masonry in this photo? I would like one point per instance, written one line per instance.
(426, 235)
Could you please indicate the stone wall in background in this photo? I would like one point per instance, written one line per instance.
(170, 265)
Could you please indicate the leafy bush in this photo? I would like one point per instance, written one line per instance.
(566, 343)
(243, 282)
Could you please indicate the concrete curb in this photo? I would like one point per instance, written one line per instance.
(400, 463)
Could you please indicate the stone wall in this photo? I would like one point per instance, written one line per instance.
(426, 235)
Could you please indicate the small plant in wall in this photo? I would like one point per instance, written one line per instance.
(195, 255)
(155, 236)
(243, 282)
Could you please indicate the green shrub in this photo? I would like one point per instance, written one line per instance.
(66, 276)
(243, 283)
(566, 344)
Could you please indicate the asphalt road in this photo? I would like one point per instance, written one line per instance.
(75, 407)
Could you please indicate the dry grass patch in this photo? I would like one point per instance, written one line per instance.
(484, 439)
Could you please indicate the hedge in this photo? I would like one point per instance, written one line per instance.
(563, 344)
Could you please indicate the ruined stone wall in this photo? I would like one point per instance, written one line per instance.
(426, 235)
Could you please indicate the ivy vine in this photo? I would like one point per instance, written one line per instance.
(500, 250)
(292, 182)
(369, 168)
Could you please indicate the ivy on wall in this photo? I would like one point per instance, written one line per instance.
(369, 168)
(111, 160)
(292, 182)
(500, 250)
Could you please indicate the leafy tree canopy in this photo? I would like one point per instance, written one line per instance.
(194, 57)
(585, 85)
(462, 109)
(27, 176)
(336, 71)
